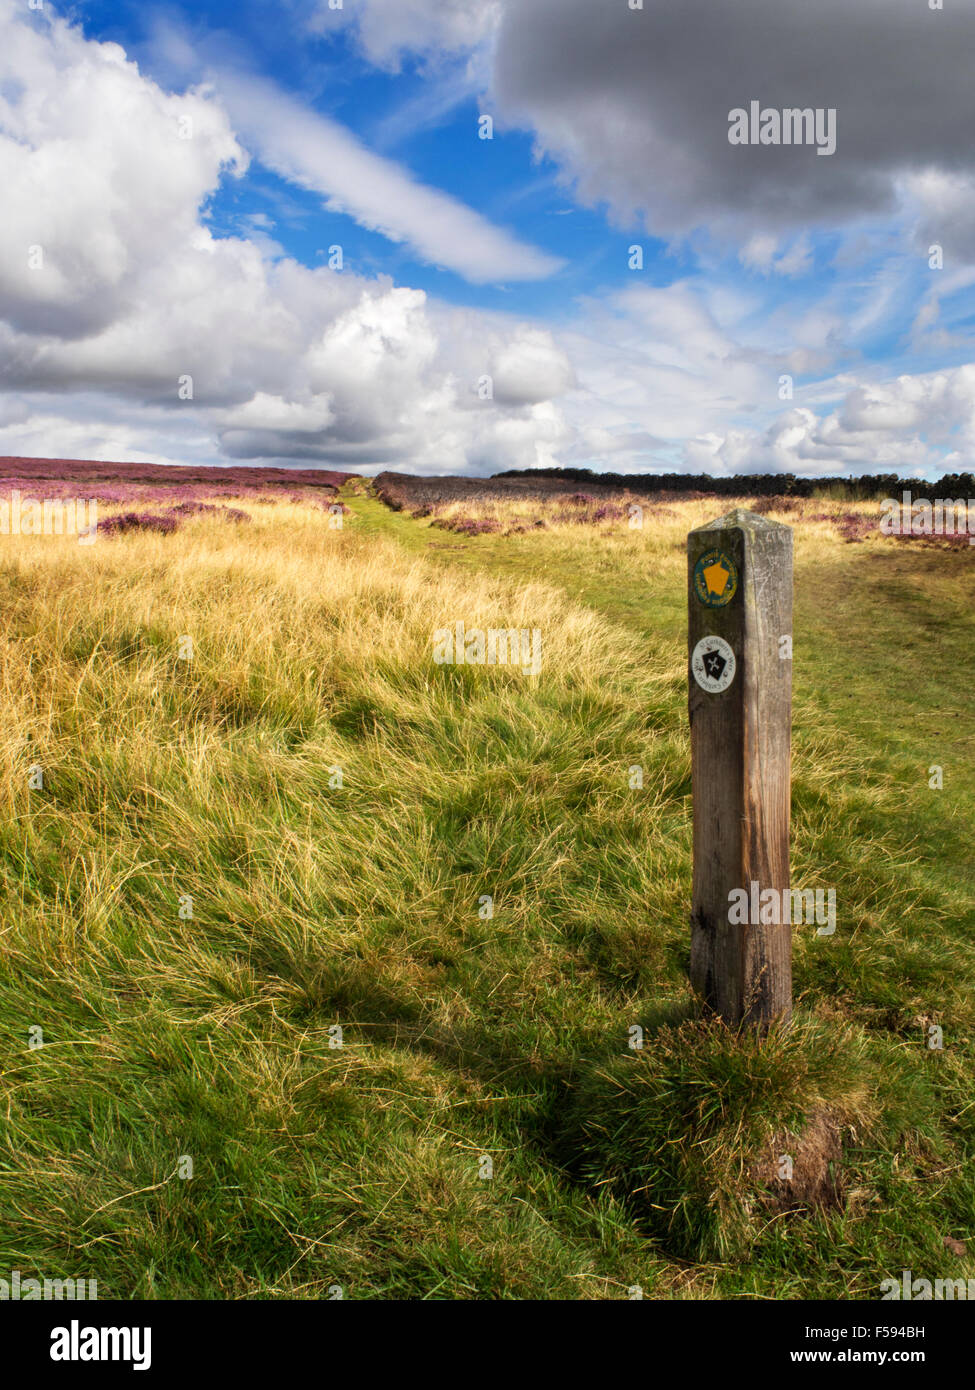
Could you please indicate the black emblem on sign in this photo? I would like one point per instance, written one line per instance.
(714, 664)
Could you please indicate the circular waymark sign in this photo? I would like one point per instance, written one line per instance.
(713, 663)
(715, 579)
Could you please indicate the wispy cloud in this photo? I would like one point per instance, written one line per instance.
(323, 156)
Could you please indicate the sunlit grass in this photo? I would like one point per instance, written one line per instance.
(337, 807)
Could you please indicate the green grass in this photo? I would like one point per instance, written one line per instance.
(464, 1038)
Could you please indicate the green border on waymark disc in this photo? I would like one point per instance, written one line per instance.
(709, 587)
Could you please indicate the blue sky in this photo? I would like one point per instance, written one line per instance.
(465, 259)
(502, 178)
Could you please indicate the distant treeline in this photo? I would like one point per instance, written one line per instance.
(868, 485)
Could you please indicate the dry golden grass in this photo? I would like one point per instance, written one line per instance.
(356, 903)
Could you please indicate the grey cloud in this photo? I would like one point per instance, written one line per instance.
(285, 444)
(635, 104)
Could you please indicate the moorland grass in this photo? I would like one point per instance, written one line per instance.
(337, 807)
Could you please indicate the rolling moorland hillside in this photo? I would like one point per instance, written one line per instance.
(334, 953)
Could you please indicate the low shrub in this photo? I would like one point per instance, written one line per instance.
(138, 521)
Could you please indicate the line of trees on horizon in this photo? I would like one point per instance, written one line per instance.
(866, 485)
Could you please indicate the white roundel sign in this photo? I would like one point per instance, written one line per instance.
(713, 664)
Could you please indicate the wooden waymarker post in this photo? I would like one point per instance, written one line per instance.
(740, 704)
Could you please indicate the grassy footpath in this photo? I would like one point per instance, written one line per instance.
(885, 648)
(325, 899)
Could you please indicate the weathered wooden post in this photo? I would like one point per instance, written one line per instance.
(740, 703)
